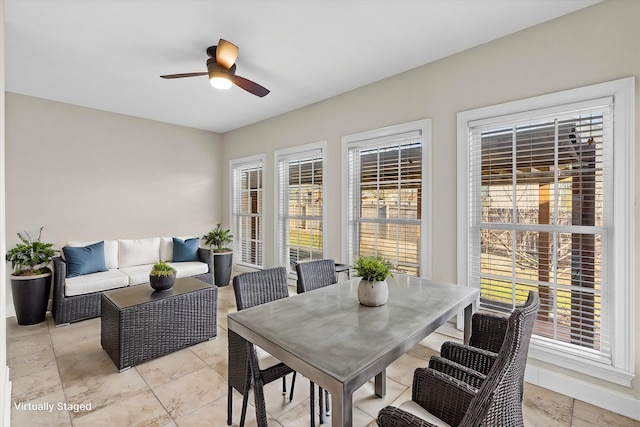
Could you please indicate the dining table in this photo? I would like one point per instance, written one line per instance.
(330, 338)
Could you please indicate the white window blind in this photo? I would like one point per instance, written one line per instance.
(539, 215)
(545, 183)
(246, 212)
(300, 192)
(385, 199)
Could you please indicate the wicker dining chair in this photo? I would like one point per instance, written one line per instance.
(248, 363)
(438, 397)
(314, 275)
(487, 336)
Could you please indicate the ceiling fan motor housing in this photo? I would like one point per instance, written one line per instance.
(217, 70)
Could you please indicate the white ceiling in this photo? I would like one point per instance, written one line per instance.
(109, 54)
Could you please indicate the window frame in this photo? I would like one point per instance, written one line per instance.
(621, 271)
(244, 163)
(423, 126)
(279, 155)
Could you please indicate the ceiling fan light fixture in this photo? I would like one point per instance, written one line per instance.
(220, 77)
(220, 82)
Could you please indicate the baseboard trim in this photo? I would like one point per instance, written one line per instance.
(11, 311)
(593, 394)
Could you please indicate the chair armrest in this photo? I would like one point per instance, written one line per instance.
(206, 255)
(443, 396)
(455, 370)
(471, 357)
(488, 331)
(59, 276)
(395, 417)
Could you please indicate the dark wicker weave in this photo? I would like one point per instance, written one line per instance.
(158, 326)
(488, 331)
(67, 309)
(253, 289)
(487, 336)
(259, 287)
(457, 371)
(314, 275)
(391, 416)
(497, 402)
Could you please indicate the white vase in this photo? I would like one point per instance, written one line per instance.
(373, 294)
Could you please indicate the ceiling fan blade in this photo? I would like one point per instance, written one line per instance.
(226, 53)
(250, 86)
(179, 76)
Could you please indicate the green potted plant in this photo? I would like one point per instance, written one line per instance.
(373, 270)
(218, 239)
(31, 277)
(162, 276)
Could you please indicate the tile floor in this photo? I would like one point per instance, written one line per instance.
(57, 373)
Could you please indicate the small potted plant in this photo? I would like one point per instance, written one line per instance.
(218, 239)
(31, 278)
(162, 276)
(373, 270)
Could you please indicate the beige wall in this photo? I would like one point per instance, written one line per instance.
(86, 174)
(594, 45)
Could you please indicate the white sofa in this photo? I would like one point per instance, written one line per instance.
(77, 290)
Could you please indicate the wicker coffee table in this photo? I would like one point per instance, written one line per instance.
(139, 324)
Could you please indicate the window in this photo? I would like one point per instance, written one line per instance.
(543, 185)
(300, 191)
(246, 209)
(388, 182)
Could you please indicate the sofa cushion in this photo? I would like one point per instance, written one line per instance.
(138, 252)
(186, 269)
(138, 274)
(83, 260)
(185, 250)
(95, 282)
(166, 247)
(110, 251)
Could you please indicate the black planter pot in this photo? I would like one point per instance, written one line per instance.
(30, 297)
(162, 283)
(222, 264)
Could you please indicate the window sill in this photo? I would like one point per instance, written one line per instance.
(554, 355)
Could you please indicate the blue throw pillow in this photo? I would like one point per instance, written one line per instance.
(185, 250)
(84, 260)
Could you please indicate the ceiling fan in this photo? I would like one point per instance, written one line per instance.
(222, 70)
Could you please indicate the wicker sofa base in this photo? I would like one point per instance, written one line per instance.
(159, 325)
(69, 309)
